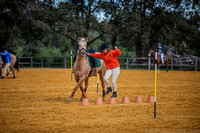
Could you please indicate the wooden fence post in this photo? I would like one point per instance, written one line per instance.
(126, 63)
(195, 64)
(42, 62)
(149, 63)
(65, 61)
(172, 64)
(31, 62)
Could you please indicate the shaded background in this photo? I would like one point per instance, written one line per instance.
(51, 27)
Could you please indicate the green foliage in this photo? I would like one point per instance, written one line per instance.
(49, 52)
(46, 28)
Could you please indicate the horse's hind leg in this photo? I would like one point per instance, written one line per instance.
(0, 71)
(86, 85)
(102, 74)
(13, 71)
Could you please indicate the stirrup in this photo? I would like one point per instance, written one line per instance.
(95, 72)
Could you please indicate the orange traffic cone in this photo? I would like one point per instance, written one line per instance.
(125, 100)
(84, 102)
(112, 101)
(138, 99)
(150, 99)
(98, 101)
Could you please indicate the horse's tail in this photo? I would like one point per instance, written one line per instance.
(17, 65)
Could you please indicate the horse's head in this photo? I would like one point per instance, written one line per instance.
(82, 44)
(151, 52)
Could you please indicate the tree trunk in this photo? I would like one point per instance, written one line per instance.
(138, 46)
(114, 40)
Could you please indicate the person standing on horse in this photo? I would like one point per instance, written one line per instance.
(7, 62)
(112, 64)
(160, 52)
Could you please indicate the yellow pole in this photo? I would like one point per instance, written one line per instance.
(71, 65)
(155, 85)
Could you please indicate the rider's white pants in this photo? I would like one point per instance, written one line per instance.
(115, 73)
(162, 58)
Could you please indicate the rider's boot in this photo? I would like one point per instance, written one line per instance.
(114, 94)
(109, 90)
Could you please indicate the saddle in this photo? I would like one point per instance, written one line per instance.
(94, 62)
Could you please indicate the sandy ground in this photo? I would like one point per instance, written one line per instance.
(36, 102)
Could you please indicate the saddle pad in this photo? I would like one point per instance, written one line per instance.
(97, 62)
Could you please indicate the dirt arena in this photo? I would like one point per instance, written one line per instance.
(36, 102)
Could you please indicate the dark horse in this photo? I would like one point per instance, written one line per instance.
(82, 70)
(14, 63)
(159, 61)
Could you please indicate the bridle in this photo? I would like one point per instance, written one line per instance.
(82, 53)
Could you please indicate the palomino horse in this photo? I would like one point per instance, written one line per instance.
(13, 61)
(159, 61)
(82, 70)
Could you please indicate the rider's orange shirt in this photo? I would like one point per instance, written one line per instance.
(109, 58)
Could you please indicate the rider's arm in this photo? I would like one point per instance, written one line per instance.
(117, 52)
(4, 53)
(99, 56)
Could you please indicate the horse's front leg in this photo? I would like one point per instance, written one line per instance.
(84, 90)
(166, 63)
(158, 68)
(75, 89)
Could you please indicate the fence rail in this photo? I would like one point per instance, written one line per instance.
(144, 63)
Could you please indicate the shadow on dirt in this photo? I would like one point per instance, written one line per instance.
(62, 100)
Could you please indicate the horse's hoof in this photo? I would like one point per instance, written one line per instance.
(104, 98)
(68, 100)
(81, 98)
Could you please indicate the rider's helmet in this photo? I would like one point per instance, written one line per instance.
(104, 46)
(5, 49)
(159, 44)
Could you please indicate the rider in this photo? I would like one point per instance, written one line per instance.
(112, 64)
(7, 62)
(160, 51)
